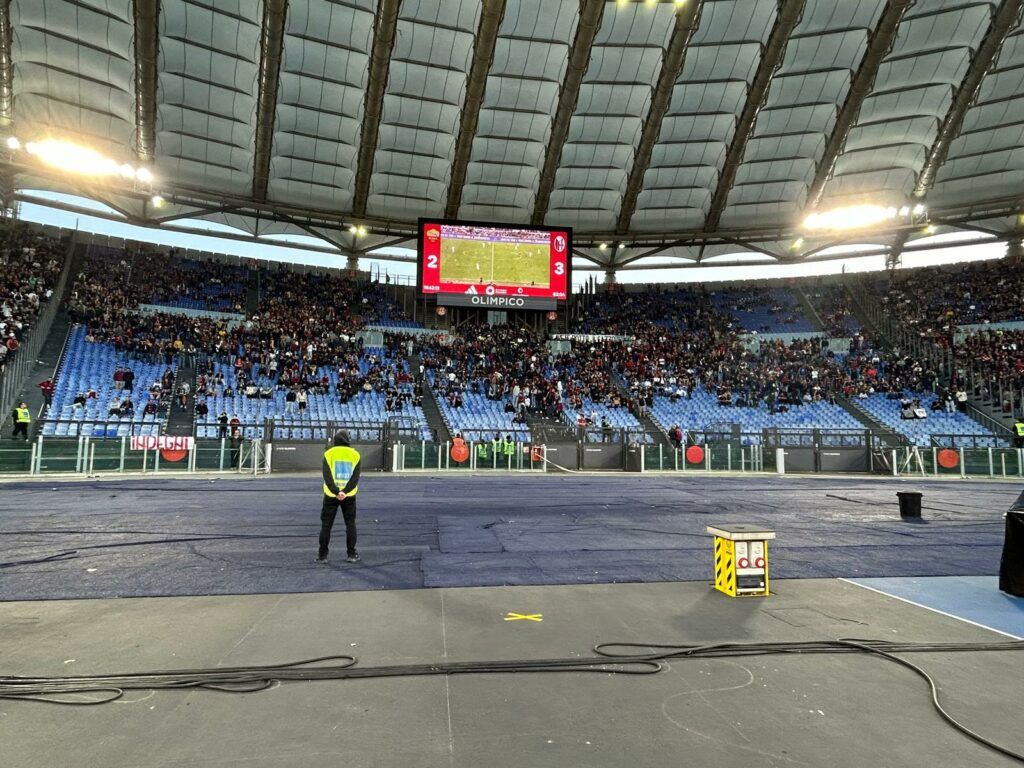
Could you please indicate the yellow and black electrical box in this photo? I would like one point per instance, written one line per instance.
(741, 559)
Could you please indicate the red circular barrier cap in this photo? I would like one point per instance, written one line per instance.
(459, 453)
(173, 454)
(948, 458)
(695, 454)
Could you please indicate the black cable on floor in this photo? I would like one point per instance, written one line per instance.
(610, 658)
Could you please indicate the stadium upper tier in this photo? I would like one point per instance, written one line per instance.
(707, 127)
(30, 265)
(763, 310)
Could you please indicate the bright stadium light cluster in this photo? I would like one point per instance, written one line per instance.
(74, 158)
(862, 216)
(357, 230)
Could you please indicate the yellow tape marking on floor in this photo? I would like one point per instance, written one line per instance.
(524, 617)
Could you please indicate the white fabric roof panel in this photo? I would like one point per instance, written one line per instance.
(73, 75)
(74, 72)
(804, 98)
(521, 95)
(322, 85)
(206, 92)
(700, 122)
(614, 99)
(987, 157)
(422, 107)
(913, 91)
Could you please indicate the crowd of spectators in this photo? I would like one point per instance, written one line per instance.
(30, 265)
(669, 342)
(765, 310)
(206, 285)
(834, 306)
(933, 301)
(302, 338)
(996, 357)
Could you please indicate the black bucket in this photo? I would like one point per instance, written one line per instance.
(910, 504)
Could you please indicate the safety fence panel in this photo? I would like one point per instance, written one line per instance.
(444, 457)
(723, 456)
(956, 462)
(87, 456)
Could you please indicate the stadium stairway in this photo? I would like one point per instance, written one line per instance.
(548, 430)
(989, 414)
(46, 364)
(180, 421)
(808, 308)
(252, 293)
(49, 355)
(431, 410)
(873, 330)
(649, 424)
(888, 435)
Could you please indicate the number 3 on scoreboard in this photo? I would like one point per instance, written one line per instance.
(432, 261)
(559, 268)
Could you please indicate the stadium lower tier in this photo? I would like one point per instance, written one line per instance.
(703, 412)
(481, 419)
(365, 411)
(949, 429)
(618, 419)
(89, 368)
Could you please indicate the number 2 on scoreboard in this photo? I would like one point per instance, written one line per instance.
(432, 261)
(559, 268)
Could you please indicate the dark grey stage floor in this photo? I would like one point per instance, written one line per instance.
(153, 537)
(835, 711)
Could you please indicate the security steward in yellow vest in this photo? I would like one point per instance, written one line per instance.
(1018, 432)
(22, 418)
(341, 484)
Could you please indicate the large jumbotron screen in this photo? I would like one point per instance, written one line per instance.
(494, 266)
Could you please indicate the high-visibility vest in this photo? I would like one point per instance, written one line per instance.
(342, 462)
(1019, 426)
(510, 448)
(496, 445)
(24, 417)
(481, 450)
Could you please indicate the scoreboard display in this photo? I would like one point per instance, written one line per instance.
(494, 266)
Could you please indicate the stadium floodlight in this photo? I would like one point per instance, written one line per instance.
(352, 229)
(157, 201)
(360, 231)
(621, 246)
(603, 246)
(144, 175)
(798, 243)
(13, 144)
(127, 171)
(930, 229)
(853, 217)
(905, 211)
(919, 210)
(72, 158)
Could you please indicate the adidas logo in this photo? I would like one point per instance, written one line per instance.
(471, 291)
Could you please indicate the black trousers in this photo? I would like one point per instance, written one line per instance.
(20, 428)
(327, 515)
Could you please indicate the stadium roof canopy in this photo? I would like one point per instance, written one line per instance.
(681, 130)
